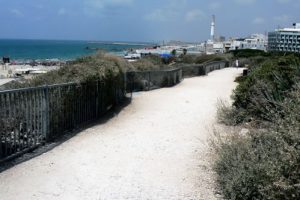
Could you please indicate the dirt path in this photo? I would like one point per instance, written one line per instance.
(156, 148)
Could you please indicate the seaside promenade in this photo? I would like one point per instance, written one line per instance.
(155, 148)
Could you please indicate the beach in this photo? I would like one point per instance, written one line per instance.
(12, 71)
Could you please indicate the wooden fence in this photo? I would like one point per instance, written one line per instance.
(191, 70)
(31, 117)
(149, 80)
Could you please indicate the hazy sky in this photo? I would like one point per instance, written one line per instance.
(142, 20)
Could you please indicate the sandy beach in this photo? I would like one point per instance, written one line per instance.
(14, 67)
(6, 80)
(155, 148)
(8, 73)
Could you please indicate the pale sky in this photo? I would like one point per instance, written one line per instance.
(142, 20)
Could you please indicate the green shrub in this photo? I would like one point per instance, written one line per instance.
(149, 62)
(253, 58)
(208, 58)
(200, 59)
(187, 59)
(144, 65)
(247, 53)
(258, 94)
(173, 52)
(155, 59)
(264, 164)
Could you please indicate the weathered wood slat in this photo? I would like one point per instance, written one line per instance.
(32, 116)
(1, 127)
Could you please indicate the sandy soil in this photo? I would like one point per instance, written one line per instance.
(4, 81)
(156, 148)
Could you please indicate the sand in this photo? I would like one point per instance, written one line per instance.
(156, 148)
(6, 80)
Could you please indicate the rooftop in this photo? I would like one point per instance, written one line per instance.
(289, 30)
(295, 28)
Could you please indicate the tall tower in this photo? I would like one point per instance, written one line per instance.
(213, 27)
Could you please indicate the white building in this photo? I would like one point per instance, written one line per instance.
(218, 47)
(255, 41)
(218, 44)
(235, 44)
(285, 40)
(214, 47)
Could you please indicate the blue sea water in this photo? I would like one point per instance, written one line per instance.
(59, 49)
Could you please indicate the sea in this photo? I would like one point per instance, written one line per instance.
(64, 50)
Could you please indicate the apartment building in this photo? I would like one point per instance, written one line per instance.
(285, 40)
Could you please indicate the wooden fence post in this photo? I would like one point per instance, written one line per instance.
(45, 112)
(1, 126)
(97, 99)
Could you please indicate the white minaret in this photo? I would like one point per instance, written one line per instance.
(213, 26)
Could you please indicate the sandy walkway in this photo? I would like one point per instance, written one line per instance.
(154, 149)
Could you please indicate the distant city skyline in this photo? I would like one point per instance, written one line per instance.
(142, 20)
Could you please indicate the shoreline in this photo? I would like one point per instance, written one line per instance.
(50, 61)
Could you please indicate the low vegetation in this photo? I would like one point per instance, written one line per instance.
(200, 59)
(105, 67)
(249, 53)
(101, 66)
(150, 62)
(265, 162)
(155, 62)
